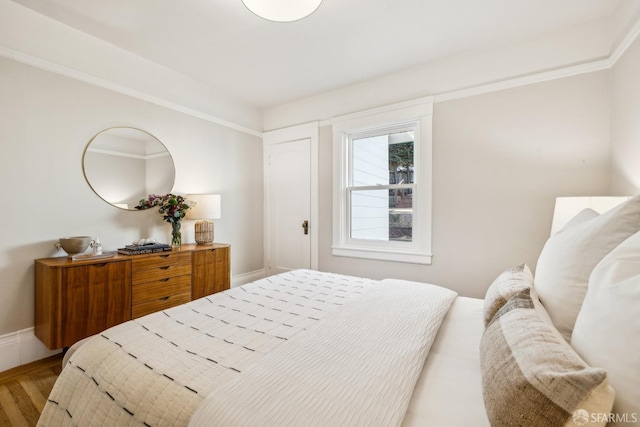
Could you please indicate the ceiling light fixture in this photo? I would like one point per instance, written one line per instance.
(282, 10)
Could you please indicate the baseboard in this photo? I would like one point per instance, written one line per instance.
(241, 279)
(21, 347)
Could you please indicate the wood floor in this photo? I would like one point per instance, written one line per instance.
(24, 391)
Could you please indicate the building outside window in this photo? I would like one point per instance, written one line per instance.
(382, 189)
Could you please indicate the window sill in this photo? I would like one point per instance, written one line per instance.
(383, 255)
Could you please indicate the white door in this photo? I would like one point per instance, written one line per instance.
(289, 206)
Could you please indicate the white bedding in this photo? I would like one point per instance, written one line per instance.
(356, 368)
(99, 384)
(449, 390)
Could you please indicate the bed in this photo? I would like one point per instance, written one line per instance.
(321, 349)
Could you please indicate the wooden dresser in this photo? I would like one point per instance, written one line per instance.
(76, 299)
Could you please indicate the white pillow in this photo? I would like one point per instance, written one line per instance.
(607, 330)
(569, 256)
(582, 216)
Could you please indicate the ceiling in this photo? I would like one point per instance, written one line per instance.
(222, 44)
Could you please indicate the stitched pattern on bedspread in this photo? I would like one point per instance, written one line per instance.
(220, 335)
(357, 368)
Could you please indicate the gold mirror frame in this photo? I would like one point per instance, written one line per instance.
(123, 165)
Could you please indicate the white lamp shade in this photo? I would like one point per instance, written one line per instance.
(568, 207)
(282, 10)
(207, 206)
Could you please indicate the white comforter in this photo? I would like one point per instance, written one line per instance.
(159, 369)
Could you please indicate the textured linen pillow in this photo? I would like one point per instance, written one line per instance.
(531, 376)
(569, 256)
(607, 330)
(506, 285)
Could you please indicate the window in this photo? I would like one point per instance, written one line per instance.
(382, 189)
(380, 184)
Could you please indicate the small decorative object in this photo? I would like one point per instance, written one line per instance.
(176, 234)
(145, 248)
(97, 247)
(207, 208)
(172, 208)
(140, 242)
(74, 245)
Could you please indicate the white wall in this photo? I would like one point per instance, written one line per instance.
(585, 46)
(625, 123)
(41, 41)
(499, 161)
(47, 120)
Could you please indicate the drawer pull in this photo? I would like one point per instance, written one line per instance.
(164, 298)
(166, 267)
(165, 280)
(102, 264)
(164, 256)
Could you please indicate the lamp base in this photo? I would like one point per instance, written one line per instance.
(204, 232)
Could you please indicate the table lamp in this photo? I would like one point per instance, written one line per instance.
(206, 209)
(567, 207)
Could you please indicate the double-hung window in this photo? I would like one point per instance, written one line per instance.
(382, 188)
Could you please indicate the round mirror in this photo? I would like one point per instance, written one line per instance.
(124, 165)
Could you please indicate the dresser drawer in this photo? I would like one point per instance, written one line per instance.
(161, 288)
(162, 266)
(147, 307)
(161, 259)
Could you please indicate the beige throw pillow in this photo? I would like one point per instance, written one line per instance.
(531, 376)
(506, 285)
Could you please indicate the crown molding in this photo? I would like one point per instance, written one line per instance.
(598, 64)
(53, 67)
(622, 47)
(574, 70)
(568, 71)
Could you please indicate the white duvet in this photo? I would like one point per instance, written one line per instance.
(302, 348)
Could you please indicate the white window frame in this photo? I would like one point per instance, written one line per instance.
(418, 114)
